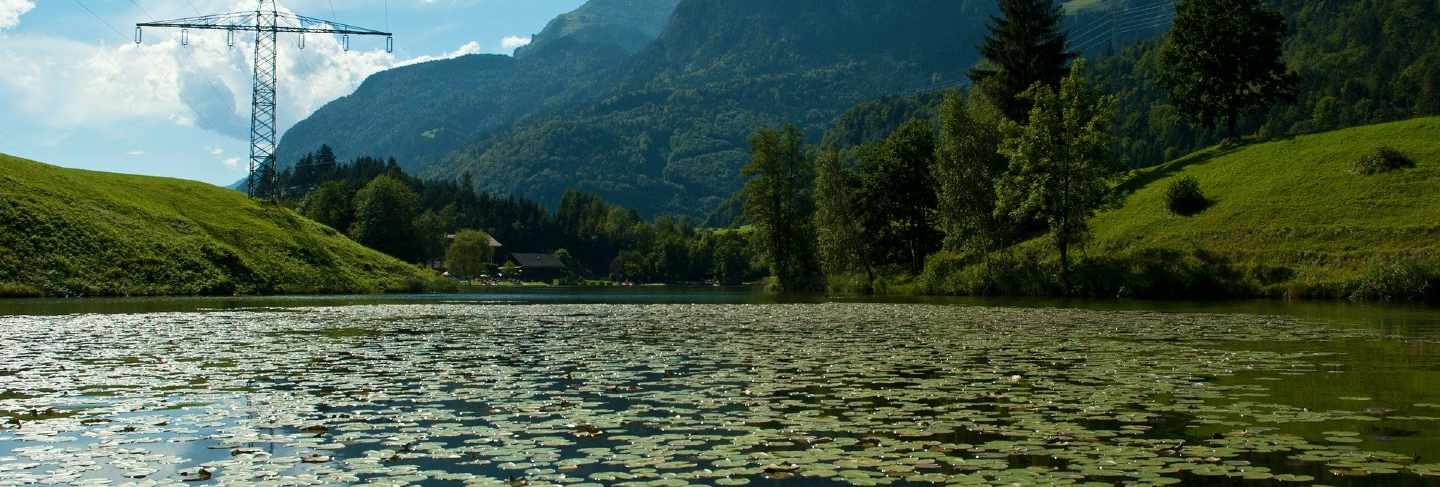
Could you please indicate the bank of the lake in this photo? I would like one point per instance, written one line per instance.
(69, 232)
(1286, 218)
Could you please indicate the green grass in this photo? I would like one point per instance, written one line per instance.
(68, 232)
(1287, 218)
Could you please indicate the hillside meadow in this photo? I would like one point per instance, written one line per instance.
(68, 232)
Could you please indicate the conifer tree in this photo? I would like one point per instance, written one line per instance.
(1026, 45)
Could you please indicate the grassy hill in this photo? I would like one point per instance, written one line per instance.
(1286, 218)
(67, 232)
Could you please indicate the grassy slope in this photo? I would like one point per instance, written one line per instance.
(70, 232)
(1294, 204)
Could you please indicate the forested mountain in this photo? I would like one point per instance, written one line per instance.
(670, 138)
(651, 109)
(421, 112)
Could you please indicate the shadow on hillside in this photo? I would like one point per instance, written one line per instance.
(1141, 180)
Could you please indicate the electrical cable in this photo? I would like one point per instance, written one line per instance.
(102, 20)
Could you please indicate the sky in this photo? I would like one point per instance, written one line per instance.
(76, 90)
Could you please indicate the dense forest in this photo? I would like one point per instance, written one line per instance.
(379, 205)
(940, 194)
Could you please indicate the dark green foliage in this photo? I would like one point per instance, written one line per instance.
(1359, 62)
(385, 211)
(1394, 279)
(670, 136)
(1061, 162)
(1382, 160)
(1222, 61)
(967, 166)
(330, 204)
(898, 196)
(469, 255)
(596, 231)
(1026, 45)
(779, 201)
(1183, 197)
(841, 241)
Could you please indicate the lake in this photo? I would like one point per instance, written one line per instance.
(661, 386)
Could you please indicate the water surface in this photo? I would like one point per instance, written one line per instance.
(715, 387)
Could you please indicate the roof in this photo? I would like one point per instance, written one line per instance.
(538, 261)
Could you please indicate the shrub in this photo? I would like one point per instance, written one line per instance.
(1391, 280)
(1184, 197)
(1382, 160)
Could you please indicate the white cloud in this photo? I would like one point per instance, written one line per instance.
(232, 163)
(11, 10)
(63, 84)
(135, 153)
(214, 151)
(510, 43)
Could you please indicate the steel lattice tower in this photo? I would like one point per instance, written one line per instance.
(267, 22)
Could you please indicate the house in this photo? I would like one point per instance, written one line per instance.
(537, 267)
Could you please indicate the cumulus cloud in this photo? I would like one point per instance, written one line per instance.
(65, 84)
(135, 153)
(510, 43)
(214, 151)
(232, 163)
(11, 10)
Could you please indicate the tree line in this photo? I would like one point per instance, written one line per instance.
(425, 221)
(1028, 150)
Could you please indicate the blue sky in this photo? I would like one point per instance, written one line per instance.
(77, 92)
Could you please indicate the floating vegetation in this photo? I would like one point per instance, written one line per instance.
(853, 394)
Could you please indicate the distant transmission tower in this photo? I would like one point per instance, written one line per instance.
(267, 24)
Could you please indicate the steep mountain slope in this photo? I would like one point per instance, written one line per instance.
(67, 232)
(421, 112)
(671, 137)
(629, 24)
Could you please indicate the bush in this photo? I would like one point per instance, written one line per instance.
(1392, 280)
(1184, 197)
(1383, 160)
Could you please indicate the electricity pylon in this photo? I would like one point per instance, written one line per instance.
(267, 24)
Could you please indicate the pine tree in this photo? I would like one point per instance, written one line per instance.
(1025, 46)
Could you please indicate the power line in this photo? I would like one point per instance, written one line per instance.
(142, 8)
(102, 20)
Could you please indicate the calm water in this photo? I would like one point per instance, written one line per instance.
(661, 386)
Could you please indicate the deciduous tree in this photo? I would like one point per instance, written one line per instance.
(779, 202)
(1221, 61)
(1061, 163)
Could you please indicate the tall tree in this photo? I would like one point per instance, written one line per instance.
(1025, 46)
(330, 203)
(967, 165)
(779, 202)
(1221, 61)
(839, 236)
(469, 254)
(899, 195)
(1060, 161)
(385, 211)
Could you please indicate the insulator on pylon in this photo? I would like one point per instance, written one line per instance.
(302, 42)
(389, 43)
(229, 37)
(184, 37)
(345, 41)
(137, 35)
